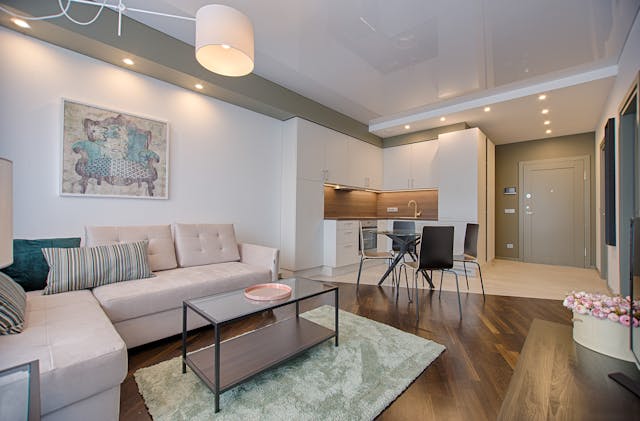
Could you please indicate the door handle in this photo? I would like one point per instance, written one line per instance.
(529, 212)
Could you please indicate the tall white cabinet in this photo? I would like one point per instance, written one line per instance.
(312, 155)
(465, 186)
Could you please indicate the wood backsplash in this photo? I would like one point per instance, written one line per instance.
(345, 203)
(364, 204)
(427, 201)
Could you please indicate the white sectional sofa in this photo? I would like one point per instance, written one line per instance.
(81, 337)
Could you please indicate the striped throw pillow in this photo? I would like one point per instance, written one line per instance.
(13, 302)
(72, 269)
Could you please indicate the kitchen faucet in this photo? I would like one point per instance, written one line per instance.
(416, 213)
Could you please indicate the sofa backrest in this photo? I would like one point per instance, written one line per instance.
(204, 244)
(162, 253)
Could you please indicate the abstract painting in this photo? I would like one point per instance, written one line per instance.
(111, 153)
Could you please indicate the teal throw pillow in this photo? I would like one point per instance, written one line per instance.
(72, 269)
(13, 302)
(29, 267)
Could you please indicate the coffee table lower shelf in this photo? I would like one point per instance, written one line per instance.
(247, 355)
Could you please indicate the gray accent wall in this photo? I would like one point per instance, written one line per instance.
(507, 159)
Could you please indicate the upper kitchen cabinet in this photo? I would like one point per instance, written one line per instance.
(322, 153)
(365, 165)
(336, 157)
(413, 166)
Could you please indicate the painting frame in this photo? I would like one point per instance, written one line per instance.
(110, 153)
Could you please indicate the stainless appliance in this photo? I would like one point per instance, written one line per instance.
(369, 236)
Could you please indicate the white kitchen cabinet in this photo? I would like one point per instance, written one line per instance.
(323, 154)
(336, 157)
(311, 140)
(466, 157)
(413, 166)
(340, 243)
(397, 172)
(365, 165)
(424, 165)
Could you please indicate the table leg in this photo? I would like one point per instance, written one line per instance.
(297, 309)
(393, 265)
(336, 307)
(217, 367)
(429, 280)
(184, 338)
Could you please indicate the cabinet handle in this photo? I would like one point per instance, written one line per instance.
(348, 232)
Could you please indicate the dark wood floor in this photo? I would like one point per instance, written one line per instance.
(468, 381)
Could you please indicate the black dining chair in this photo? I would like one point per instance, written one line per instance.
(404, 226)
(470, 252)
(436, 253)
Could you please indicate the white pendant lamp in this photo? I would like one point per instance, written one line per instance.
(224, 40)
(224, 36)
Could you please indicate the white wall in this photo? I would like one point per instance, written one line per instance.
(628, 67)
(225, 161)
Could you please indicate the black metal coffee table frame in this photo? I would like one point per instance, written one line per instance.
(233, 361)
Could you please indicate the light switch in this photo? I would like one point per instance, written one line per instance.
(509, 211)
(509, 245)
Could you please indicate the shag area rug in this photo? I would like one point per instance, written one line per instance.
(373, 364)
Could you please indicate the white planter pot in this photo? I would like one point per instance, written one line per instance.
(603, 336)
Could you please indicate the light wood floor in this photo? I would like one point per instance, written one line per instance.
(501, 277)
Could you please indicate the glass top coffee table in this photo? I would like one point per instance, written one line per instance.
(233, 361)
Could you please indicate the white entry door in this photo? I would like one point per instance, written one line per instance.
(554, 211)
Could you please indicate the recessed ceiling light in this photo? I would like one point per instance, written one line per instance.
(547, 122)
(548, 131)
(406, 126)
(545, 111)
(21, 23)
(442, 119)
(128, 61)
(487, 109)
(542, 97)
(226, 46)
(198, 86)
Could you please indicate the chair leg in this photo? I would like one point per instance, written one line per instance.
(458, 289)
(481, 283)
(406, 281)
(415, 273)
(359, 272)
(441, 275)
(464, 265)
(415, 283)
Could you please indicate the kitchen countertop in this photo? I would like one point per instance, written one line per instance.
(374, 218)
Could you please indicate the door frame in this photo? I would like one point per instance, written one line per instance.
(604, 249)
(586, 161)
(625, 194)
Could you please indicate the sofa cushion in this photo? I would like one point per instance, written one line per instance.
(89, 267)
(204, 244)
(162, 254)
(13, 302)
(79, 350)
(170, 288)
(29, 267)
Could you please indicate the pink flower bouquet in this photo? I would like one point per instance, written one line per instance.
(617, 309)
